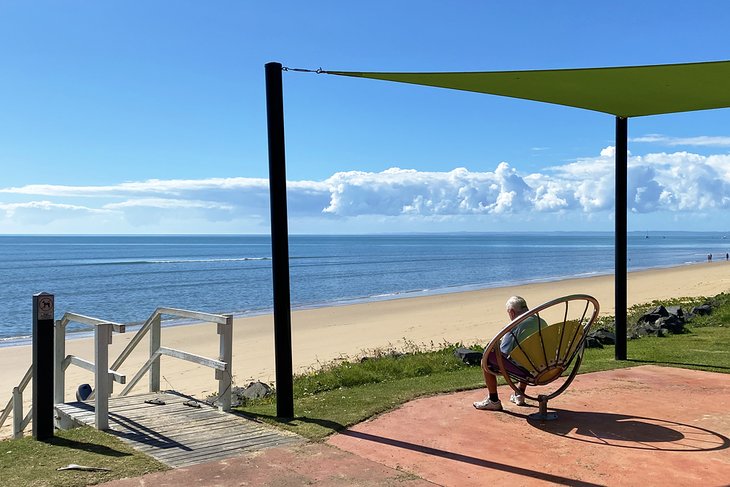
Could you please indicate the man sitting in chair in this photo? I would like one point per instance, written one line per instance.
(516, 306)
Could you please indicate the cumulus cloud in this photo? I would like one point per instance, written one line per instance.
(657, 182)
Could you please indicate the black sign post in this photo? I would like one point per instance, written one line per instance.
(43, 315)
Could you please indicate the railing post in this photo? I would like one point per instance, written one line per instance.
(102, 380)
(59, 383)
(155, 343)
(225, 377)
(17, 413)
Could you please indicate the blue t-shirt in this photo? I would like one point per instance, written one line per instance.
(523, 330)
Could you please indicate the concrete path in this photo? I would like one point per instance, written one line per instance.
(645, 426)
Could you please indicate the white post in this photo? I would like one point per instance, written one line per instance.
(59, 382)
(225, 377)
(102, 378)
(155, 343)
(17, 413)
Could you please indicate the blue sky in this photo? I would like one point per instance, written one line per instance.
(149, 117)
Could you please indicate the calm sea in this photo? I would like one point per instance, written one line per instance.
(124, 278)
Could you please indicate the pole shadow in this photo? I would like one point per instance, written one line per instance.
(630, 431)
(479, 462)
(681, 364)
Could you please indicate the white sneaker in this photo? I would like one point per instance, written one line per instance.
(487, 405)
(518, 399)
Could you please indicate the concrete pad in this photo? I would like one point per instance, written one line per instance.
(645, 426)
(312, 464)
(642, 426)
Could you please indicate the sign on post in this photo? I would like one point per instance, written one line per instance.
(43, 316)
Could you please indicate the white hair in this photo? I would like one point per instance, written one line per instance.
(518, 304)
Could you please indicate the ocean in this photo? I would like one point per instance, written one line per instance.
(124, 278)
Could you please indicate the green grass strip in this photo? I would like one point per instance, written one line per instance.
(32, 463)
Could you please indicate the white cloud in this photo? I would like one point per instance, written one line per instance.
(162, 203)
(150, 186)
(699, 141)
(42, 212)
(12, 209)
(579, 190)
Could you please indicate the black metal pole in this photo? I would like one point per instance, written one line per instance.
(621, 303)
(43, 335)
(279, 242)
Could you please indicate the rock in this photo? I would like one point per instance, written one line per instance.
(701, 310)
(592, 342)
(671, 323)
(647, 329)
(239, 395)
(660, 310)
(468, 356)
(675, 311)
(256, 390)
(652, 316)
(604, 336)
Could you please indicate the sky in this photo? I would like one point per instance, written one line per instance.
(148, 117)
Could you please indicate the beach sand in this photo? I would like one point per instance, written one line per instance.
(324, 334)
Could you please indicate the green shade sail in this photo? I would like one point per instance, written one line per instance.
(631, 91)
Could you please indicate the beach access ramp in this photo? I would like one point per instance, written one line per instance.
(178, 430)
(174, 428)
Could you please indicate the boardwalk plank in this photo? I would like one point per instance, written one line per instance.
(179, 435)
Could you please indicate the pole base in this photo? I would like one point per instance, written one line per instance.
(543, 417)
(543, 414)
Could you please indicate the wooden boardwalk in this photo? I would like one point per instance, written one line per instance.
(179, 435)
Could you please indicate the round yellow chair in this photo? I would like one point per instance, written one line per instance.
(545, 355)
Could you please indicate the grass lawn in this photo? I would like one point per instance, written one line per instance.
(27, 462)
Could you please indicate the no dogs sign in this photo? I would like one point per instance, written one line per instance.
(45, 307)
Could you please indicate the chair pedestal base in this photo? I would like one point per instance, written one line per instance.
(543, 414)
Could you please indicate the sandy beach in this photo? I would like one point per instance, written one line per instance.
(323, 334)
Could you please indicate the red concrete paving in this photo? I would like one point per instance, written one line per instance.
(645, 426)
(311, 464)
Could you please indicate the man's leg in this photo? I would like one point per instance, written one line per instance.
(491, 402)
(519, 399)
(491, 380)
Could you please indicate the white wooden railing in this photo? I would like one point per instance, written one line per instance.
(103, 382)
(222, 366)
(16, 406)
